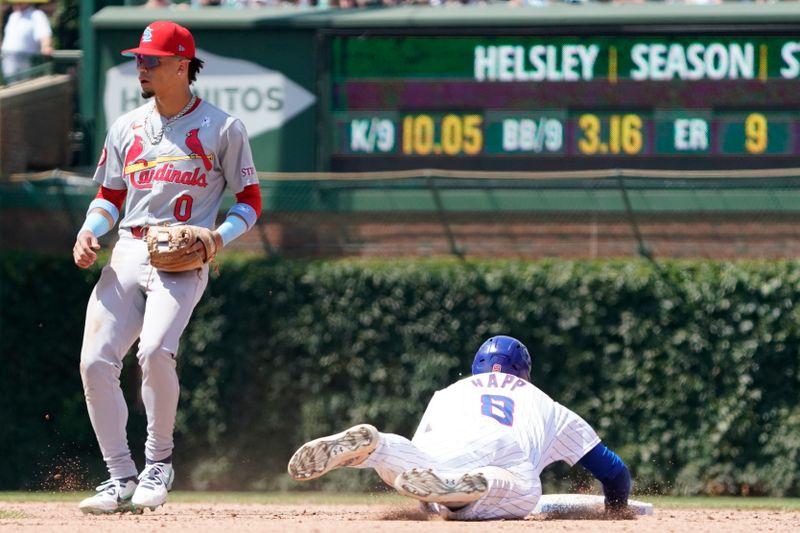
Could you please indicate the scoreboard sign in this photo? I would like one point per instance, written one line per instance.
(565, 101)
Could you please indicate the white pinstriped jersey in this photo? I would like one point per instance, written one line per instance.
(500, 420)
(181, 179)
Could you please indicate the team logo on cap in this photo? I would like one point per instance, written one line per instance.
(497, 367)
(147, 36)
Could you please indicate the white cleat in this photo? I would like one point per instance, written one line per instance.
(113, 496)
(320, 456)
(154, 483)
(447, 489)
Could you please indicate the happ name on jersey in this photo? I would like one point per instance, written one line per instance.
(491, 381)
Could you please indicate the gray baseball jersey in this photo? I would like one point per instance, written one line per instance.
(181, 179)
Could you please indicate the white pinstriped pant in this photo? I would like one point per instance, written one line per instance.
(514, 486)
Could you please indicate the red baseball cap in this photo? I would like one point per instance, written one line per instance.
(164, 38)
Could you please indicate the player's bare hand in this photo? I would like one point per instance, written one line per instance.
(83, 253)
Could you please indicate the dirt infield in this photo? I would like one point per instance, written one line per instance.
(230, 517)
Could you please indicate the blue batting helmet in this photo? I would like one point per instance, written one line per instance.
(503, 354)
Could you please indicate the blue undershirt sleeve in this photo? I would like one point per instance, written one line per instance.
(609, 469)
(230, 229)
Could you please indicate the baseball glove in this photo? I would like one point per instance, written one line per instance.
(170, 247)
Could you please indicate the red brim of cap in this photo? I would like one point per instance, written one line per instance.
(146, 52)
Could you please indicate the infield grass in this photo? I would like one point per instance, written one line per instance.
(332, 498)
(721, 502)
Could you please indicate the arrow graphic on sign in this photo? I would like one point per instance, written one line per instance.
(263, 99)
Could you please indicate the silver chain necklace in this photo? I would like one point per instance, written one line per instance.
(155, 136)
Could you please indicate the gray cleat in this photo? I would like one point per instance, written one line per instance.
(320, 456)
(449, 489)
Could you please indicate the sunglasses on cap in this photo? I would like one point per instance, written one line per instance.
(149, 62)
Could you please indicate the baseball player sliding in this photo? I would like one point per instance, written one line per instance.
(169, 161)
(480, 447)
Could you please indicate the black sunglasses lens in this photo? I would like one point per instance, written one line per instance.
(146, 61)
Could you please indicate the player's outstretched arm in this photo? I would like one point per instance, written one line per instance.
(612, 472)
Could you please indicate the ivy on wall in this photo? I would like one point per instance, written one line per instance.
(690, 370)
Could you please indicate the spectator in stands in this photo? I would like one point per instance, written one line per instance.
(27, 34)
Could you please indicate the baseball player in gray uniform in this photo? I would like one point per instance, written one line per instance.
(169, 162)
(480, 447)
